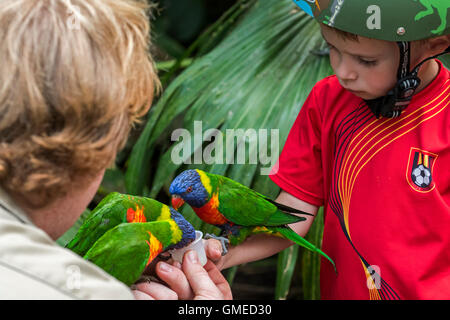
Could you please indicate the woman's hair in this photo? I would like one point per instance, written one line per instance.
(75, 75)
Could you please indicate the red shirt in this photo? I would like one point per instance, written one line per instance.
(385, 187)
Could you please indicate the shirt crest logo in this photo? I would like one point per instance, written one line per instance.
(419, 172)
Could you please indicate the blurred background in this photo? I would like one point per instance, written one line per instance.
(246, 64)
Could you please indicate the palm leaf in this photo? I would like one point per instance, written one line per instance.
(70, 234)
(445, 60)
(258, 77)
(257, 83)
(311, 262)
(285, 269)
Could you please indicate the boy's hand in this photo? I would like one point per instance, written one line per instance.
(213, 250)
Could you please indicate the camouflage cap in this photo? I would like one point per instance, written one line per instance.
(391, 20)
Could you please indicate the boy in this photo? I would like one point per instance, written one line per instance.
(75, 75)
(372, 145)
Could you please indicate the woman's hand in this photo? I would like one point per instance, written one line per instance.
(189, 281)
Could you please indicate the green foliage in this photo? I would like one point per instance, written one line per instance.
(257, 77)
(252, 69)
(311, 262)
(257, 83)
(285, 269)
(445, 60)
(69, 234)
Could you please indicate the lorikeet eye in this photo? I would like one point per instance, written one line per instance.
(189, 189)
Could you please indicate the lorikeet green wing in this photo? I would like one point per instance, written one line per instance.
(254, 209)
(114, 209)
(244, 206)
(127, 249)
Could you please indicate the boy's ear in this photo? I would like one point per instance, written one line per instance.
(438, 45)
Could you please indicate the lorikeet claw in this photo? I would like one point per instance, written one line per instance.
(224, 241)
(164, 256)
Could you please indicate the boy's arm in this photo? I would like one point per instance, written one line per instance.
(261, 246)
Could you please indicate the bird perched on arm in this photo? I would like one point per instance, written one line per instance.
(124, 233)
(236, 209)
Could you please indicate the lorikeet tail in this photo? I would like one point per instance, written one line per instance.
(290, 234)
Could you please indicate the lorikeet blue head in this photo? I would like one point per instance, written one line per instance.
(188, 231)
(188, 187)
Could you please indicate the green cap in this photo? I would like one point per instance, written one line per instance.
(391, 20)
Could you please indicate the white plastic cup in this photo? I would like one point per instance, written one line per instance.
(196, 245)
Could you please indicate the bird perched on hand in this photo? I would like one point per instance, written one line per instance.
(124, 233)
(236, 209)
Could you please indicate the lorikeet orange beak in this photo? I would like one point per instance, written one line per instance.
(177, 202)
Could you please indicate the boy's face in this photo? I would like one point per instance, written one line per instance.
(367, 67)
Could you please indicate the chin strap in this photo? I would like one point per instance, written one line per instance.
(397, 99)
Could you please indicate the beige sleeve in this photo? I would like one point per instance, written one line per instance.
(33, 266)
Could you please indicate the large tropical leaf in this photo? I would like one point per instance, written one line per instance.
(69, 234)
(311, 262)
(285, 269)
(446, 60)
(256, 78)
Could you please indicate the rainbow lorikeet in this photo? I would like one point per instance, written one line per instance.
(236, 209)
(124, 233)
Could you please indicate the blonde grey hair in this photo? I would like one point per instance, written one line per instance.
(75, 75)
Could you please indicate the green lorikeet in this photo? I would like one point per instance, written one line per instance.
(124, 233)
(236, 209)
